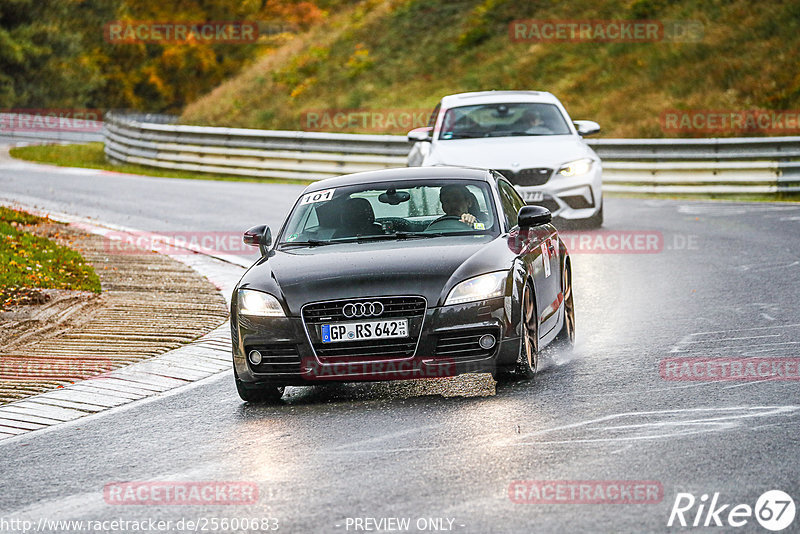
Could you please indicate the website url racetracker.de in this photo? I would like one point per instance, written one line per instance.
(194, 524)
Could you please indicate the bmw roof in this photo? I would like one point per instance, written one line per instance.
(492, 97)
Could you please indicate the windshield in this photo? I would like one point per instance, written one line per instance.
(503, 120)
(393, 210)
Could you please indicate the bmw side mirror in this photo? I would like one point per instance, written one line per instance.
(420, 135)
(530, 216)
(586, 127)
(259, 236)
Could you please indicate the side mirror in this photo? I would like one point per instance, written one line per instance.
(420, 135)
(530, 216)
(586, 127)
(259, 236)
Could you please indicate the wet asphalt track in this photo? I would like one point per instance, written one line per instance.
(725, 284)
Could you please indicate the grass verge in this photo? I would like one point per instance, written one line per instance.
(91, 156)
(29, 262)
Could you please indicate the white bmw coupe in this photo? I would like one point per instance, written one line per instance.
(525, 135)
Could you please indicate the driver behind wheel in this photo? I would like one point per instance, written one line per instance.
(456, 200)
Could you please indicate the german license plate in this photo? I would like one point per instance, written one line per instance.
(533, 196)
(336, 332)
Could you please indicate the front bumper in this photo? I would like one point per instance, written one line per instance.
(447, 346)
(572, 198)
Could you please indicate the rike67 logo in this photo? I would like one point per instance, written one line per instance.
(774, 510)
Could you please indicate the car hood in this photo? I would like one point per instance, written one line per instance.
(426, 267)
(503, 152)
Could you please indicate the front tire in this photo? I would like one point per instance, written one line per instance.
(257, 393)
(566, 337)
(528, 359)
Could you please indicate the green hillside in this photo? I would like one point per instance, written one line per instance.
(406, 54)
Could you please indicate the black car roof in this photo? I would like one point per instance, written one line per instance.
(402, 173)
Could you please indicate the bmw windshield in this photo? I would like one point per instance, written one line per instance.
(503, 120)
(392, 210)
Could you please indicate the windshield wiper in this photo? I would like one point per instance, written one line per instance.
(375, 237)
(309, 243)
(470, 135)
(515, 133)
(398, 235)
(419, 234)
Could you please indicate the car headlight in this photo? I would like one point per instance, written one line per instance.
(258, 303)
(481, 287)
(576, 168)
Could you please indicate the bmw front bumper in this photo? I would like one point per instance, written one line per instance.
(568, 197)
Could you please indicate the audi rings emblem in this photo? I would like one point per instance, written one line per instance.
(362, 309)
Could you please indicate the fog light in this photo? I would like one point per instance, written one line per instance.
(487, 341)
(254, 357)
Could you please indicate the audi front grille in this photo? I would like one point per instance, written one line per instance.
(317, 314)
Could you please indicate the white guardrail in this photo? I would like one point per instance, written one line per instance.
(669, 166)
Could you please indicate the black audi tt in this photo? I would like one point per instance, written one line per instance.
(398, 274)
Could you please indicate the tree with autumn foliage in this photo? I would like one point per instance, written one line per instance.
(53, 53)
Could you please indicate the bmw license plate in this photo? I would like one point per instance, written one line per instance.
(533, 196)
(332, 333)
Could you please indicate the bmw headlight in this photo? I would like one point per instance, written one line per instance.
(481, 287)
(258, 303)
(576, 168)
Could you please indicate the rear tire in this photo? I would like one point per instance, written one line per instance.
(528, 359)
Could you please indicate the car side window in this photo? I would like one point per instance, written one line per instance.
(510, 200)
(519, 202)
(434, 114)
